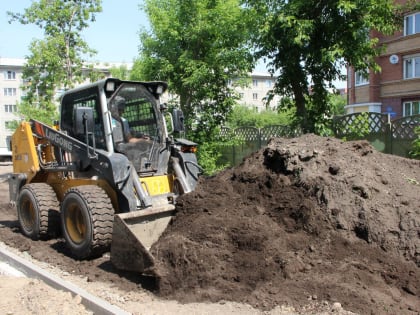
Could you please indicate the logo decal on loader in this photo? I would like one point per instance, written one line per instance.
(57, 139)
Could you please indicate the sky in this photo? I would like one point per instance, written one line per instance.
(114, 34)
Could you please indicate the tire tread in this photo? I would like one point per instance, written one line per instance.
(102, 214)
(47, 203)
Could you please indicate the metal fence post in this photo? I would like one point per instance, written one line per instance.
(388, 135)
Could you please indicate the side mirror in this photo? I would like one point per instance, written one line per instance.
(178, 120)
(83, 120)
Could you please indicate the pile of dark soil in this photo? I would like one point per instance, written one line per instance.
(307, 218)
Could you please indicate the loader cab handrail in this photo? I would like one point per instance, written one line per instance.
(84, 125)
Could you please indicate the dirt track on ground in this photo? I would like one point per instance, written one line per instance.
(307, 221)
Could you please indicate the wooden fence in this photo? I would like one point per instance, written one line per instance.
(386, 135)
(250, 139)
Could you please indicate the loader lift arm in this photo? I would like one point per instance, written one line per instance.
(82, 151)
(115, 168)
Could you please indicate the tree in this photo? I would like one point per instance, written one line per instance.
(337, 103)
(307, 43)
(55, 62)
(197, 46)
(120, 72)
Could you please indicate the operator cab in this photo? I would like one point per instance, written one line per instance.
(120, 110)
(137, 126)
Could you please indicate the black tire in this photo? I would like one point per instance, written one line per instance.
(87, 217)
(37, 209)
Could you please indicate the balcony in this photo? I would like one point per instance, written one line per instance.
(400, 88)
(403, 45)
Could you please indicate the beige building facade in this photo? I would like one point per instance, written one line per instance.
(254, 95)
(10, 94)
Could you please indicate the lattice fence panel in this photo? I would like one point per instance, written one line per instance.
(278, 131)
(360, 124)
(247, 134)
(263, 134)
(225, 132)
(404, 128)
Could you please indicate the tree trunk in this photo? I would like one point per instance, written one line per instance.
(299, 95)
(186, 107)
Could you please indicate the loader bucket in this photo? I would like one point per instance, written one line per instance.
(134, 233)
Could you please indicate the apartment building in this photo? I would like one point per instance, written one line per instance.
(254, 95)
(11, 93)
(396, 89)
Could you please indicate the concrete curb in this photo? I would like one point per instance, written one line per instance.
(91, 302)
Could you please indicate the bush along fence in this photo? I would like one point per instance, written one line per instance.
(385, 135)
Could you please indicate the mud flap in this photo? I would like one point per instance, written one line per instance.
(133, 235)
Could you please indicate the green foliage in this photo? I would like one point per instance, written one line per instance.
(208, 156)
(94, 73)
(46, 113)
(415, 146)
(308, 42)
(359, 128)
(12, 125)
(337, 103)
(120, 72)
(55, 62)
(335, 106)
(243, 116)
(209, 152)
(197, 46)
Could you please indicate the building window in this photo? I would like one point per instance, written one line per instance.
(361, 78)
(411, 108)
(255, 82)
(10, 108)
(254, 96)
(9, 75)
(412, 67)
(8, 124)
(268, 83)
(412, 24)
(9, 91)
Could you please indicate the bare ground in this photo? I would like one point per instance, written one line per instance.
(300, 225)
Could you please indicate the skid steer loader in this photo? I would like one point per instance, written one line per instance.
(103, 180)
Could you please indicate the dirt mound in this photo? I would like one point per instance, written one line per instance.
(307, 218)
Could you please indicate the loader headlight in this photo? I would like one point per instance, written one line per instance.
(188, 149)
(110, 86)
(159, 89)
